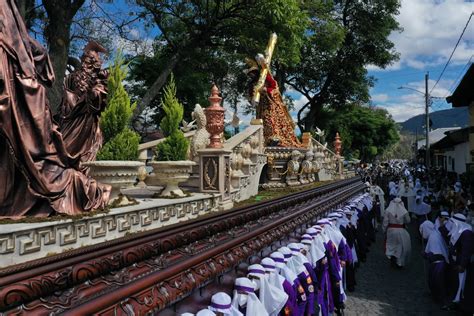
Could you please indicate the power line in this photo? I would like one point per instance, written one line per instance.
(459, 40)
(398, 75)
(459, 76)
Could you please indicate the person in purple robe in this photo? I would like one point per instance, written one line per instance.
(280, 282)
(349, 232)
(461, 242)
(307, 277)
(437, 255)
(337, 259)
(334, 270)
(321, 268)
(291, 274)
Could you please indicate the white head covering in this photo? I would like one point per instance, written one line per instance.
(271, 297)
(298, 257)
(435, 244)
(273, 277)
(396, 208)
(426, 228)
(279, 259)
(290, 261)
(249, 299)
(317, 250)
(334, 234)
(188, 314)
(222, 303)
(459, 225)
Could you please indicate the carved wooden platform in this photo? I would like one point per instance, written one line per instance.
(149, 271)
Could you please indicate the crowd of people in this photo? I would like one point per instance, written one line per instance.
(309, 277)
(441, 210)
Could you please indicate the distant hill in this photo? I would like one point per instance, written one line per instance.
(445, 118)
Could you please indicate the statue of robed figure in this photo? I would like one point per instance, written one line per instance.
(38, 176)
(264, 93)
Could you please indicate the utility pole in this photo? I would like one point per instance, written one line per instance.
(427, 123)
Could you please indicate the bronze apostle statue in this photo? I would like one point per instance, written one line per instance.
(38, 176)
(85, 96)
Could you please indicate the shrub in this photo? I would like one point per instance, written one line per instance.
(120, 142)
(175, 146)
(124, 146)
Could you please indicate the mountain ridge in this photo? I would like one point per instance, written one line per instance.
(444, 118)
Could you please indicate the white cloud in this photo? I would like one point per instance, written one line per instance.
(431, 29)
(403, 111)
(411, 103)
(382, 97)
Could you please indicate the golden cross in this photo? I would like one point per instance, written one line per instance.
(265, 69)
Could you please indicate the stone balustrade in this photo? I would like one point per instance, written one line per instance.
(234, 170)
(21, 242)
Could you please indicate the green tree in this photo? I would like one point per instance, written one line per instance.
(344, 37)
(366, 132)
(120, 142)
(206, 41)
(403, 149)
(175, 146)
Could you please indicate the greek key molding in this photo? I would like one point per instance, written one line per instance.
(32, 242)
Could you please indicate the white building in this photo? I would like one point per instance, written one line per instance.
(452, 151)
(435, 136)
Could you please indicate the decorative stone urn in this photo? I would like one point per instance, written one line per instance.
(337, 144)
(119, 174)
(215, 118)
(171, 173)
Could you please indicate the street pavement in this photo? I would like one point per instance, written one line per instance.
(383, 290)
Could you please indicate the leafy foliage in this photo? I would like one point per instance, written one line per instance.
(124, 146)
(118, 113)
(172, 108)
(120, 142)
(343, 38)
(403, 149)
(366, 132)
(212, 38)
(175, 146)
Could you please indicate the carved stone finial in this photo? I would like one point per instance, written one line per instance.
(338, 144)
(215, 118)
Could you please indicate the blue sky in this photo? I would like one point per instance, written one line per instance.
(431, 30)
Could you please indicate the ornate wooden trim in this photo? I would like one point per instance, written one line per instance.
(56, 274)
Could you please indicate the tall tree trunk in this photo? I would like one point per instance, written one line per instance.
(155, 88)
(26, 9)
(58, 52)
(58, 34)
